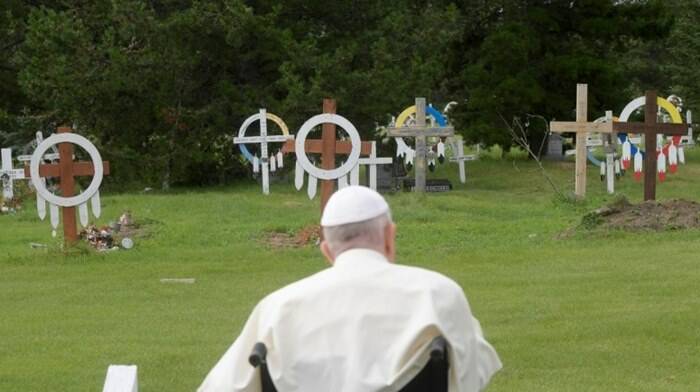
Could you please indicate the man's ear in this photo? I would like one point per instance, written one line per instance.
(326, 250)
(390, 241)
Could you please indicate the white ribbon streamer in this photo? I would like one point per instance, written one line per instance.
(280, 159)
(355, 175)
(672, 155)
(661, 162)
(638, 162)
(256, 164)
(311, 191)
(342, 182)
(41, 205)
(410, 155)
(83, 214)
(626, 150)
(54, 215)
(441, 149)
(96, 205)
(298, 176)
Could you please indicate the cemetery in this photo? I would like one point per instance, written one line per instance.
(145, 218)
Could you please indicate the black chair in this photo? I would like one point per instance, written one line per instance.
(433, 377)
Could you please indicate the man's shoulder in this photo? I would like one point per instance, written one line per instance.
(428, 278)
(402, 278)
(298, 288)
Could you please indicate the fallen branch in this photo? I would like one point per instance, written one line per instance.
(520, 138)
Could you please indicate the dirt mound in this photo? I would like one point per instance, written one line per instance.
(649, 215)
(309, 235)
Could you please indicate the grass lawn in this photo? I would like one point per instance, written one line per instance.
(595, 312)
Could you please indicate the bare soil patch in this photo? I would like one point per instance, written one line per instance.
(676, 214)
(309, 235)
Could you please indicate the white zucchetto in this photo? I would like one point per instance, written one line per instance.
(353, 204)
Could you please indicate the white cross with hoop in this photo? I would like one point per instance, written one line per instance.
(263, 139)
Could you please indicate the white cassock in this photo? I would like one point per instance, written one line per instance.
(363, 325)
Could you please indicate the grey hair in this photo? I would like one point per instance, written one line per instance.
(365, 234)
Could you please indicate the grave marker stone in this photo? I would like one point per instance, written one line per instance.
(555, 147)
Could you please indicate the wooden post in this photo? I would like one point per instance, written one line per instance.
(421, 148)
(328, 152)
(581, 149)
(610, 156)
(264, 155)
(65, 153)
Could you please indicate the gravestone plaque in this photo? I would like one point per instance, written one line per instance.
(431, 185)
(390, 177)
(555, 147)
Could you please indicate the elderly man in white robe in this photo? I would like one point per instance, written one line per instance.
(362, 325)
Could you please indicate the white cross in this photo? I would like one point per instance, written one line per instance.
(460, 158)
(49, 157)
(610, 156)
(372, 161)
(689, 138)
(263, 139)
(121, 378)
(8, 174)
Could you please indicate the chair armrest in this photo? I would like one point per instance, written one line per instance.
(259, 355)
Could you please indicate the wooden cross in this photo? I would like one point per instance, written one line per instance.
(650, 128)
(8, 174)
(328, 147)
(581, 127)
(67, 170)
(420, 131)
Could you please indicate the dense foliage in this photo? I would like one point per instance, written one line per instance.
(161, 85)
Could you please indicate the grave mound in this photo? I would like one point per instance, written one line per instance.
(309, 235)
(676, 214)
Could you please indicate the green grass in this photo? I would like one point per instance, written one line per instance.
(598, 311)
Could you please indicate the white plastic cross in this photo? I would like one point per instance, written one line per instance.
(53, 156)
(460, 158)
(372, 161)
(8, 174)
(121, 378)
